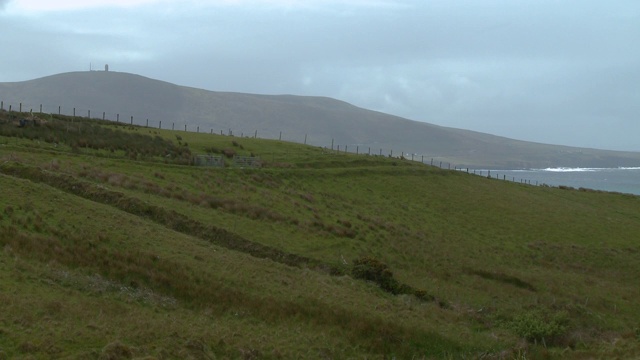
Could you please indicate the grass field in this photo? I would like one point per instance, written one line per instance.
(114, 246)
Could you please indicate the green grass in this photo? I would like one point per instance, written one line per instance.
(105, 253)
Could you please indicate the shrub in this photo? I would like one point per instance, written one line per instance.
(423, 295)
(536, 326)
(116, 351)
(212, 150)
(229, 153)
(371, 269)
(236, 144)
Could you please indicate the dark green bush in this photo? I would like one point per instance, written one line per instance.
(371, 269)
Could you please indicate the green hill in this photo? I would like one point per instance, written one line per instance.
(317, 121)
(116, 245)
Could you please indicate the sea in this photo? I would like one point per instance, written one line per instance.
(622, 179)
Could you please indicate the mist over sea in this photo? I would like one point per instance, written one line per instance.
(623, 180)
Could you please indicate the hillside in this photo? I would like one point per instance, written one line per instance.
(114, 246)
(321, 121)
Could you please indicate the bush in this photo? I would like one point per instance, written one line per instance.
(236, 144)
(537, 326)
(116, 351)
(229, 153)
(371, 269)
(212, 150)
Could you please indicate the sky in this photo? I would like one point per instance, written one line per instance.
(558, 72)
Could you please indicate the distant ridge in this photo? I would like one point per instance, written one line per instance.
(320, 120)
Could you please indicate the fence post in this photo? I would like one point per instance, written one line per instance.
(345, 148)
(185, 127)
(147, 122)
(380, 151)
(357, 149)
(332, 144)
(391, 154)
(131, 119)
(103, 115)
(173, 126)
(440, 164)
(88, 114)
(20, 107)
(9, 107)
(74, 112)
(211, 131)
(369, 150)
(1, 105)
(198, 129)
(280, 138)
(40, 108)
(305, 139)
(255, 135)
(160, 124)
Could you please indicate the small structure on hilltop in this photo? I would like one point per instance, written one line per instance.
(106, 67)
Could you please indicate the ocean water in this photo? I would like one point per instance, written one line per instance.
(623, 180)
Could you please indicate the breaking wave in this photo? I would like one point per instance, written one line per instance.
(567, 169)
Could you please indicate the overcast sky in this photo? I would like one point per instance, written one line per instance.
(551, 71)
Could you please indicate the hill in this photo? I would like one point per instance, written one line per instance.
(315, 120)
(114, 246)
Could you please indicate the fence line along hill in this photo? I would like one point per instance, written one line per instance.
(314, 120)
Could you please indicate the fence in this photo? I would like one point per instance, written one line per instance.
(207, 160)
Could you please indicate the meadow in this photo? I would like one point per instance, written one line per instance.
(114, 245)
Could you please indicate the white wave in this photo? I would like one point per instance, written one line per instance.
(566, 169)
(556, 169)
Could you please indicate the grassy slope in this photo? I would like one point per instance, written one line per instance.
(90, 265)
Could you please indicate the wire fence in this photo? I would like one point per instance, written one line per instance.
(79, 112)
